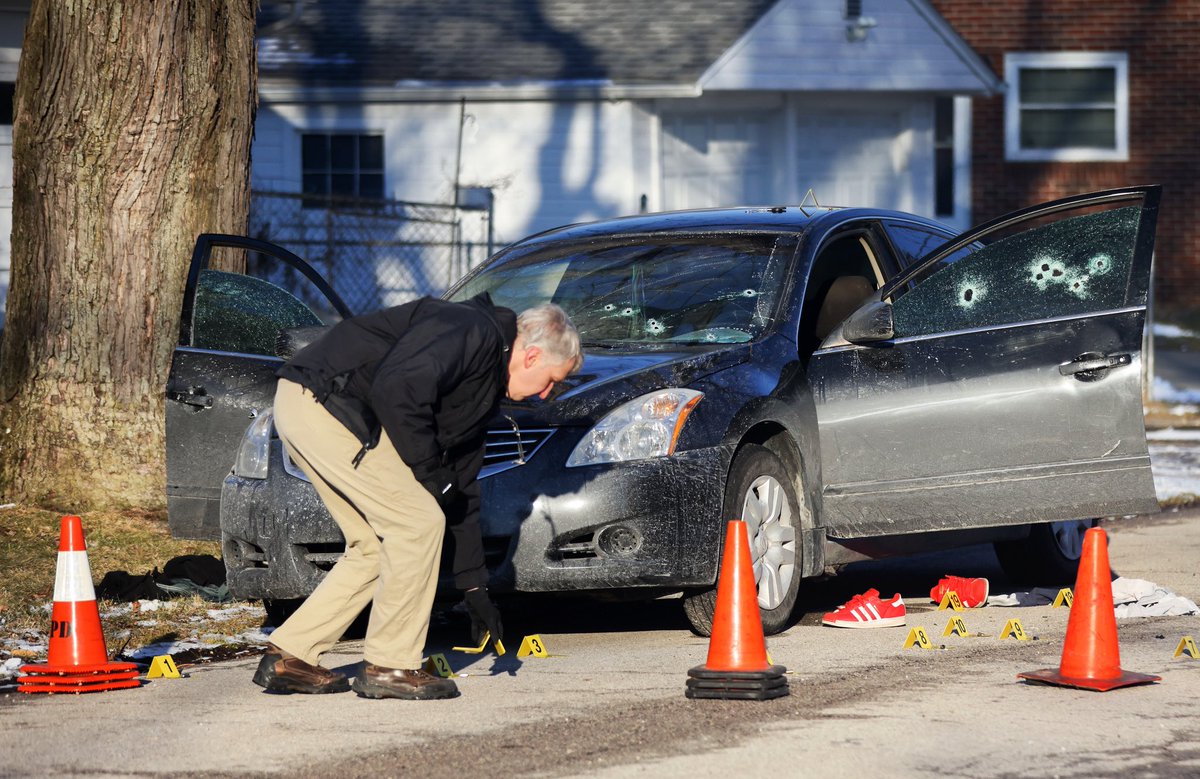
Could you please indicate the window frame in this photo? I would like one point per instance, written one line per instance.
(323, 200)
(1016, 62)
(202, 254)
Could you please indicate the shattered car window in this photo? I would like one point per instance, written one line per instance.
(650, 290)
(236, 313)
(1066, 267)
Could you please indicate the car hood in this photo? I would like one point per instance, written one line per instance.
(609, 378)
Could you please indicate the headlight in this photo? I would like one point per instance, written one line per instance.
(255, 450)
(644, 427)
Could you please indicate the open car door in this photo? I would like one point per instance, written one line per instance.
(223, 368)
(998, 380)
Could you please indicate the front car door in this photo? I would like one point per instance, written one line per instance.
(1008, 389)
(223, 368)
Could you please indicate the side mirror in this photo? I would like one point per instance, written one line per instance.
(869, 324)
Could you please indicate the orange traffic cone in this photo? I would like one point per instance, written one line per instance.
(77, 659)
(737, 664)
(1091, 657)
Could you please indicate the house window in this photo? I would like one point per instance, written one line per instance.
(340, 165)
(1069, 106)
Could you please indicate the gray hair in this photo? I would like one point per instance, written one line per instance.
(550, 329)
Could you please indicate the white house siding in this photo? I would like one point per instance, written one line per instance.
(857, 152)
(554, 163)
(12, 30)
(722, 152)
(768, 149)
(547, 163)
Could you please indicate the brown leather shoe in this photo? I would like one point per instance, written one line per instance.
(283, 672)
(375, 681)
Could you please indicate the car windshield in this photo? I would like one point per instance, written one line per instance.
(648, 290)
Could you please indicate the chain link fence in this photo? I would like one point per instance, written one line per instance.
(374, 253)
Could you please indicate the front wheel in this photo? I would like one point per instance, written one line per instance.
(760, 493)
(1048, 556)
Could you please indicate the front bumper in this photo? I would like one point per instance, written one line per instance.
(646, 524)
(277, 537)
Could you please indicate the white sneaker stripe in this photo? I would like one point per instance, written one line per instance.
(857, 614)
(874, 610)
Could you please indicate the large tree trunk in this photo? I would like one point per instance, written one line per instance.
(131, 136)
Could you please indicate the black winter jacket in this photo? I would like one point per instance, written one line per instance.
(431, 373)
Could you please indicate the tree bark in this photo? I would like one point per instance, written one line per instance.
(131, 135)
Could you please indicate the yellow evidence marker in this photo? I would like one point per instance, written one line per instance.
(1187, 647)
(955, 627)
(475, 650)
(1065, 598)
(918, 639)
(533, 645)
(438, 665)
(951, 601)
(1013, 628)
(163, 666)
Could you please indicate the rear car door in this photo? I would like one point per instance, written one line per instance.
(223, 367)
(998, 380)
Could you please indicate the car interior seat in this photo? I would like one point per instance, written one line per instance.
(842, 296)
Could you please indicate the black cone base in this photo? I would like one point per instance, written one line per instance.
(737, 685)
(1052, 676)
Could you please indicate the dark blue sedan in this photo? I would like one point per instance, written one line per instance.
(852, 383)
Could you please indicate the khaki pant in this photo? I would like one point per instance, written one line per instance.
(393, 529)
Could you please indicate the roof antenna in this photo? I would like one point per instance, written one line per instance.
(809, 195)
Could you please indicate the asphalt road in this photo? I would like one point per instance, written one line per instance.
(609, 701)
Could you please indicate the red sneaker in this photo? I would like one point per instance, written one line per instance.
(867, 611)
(972, 592)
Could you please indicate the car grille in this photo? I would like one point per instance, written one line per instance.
(503, 449)
(509, 447)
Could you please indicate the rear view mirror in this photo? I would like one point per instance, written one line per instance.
(869, 324)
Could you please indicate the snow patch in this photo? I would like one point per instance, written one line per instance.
(1162, 330)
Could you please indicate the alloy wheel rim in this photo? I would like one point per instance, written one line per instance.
(772, 534)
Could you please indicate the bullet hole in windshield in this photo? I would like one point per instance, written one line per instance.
(1099, 265)
(1046, 270)
(970, 291)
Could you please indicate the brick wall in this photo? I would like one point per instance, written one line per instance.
(1162, 40)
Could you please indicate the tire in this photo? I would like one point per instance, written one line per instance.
(760, 491)
(1048, 557)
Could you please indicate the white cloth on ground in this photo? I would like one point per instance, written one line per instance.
(1131, 598)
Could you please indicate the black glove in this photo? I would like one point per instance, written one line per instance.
(485, 617)
(441, 485)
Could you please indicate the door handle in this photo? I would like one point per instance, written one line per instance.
(193, 396)
(1091, 365)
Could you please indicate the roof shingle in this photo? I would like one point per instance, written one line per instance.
(385, 42)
